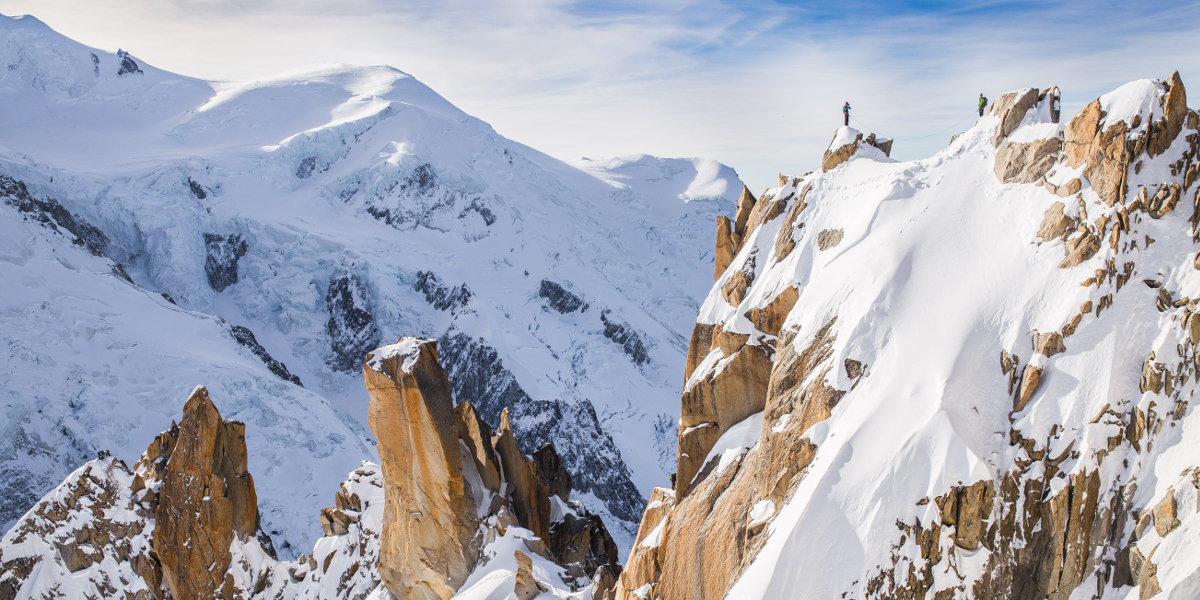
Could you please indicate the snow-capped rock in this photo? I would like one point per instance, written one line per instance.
(896, 458)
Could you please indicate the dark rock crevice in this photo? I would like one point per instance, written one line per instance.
(440, 296)
(351, 327)
(128, 65)
(221, 263)
(245, 337)
(51, 214)
(587, 453)
(560, 299)
(627, 337)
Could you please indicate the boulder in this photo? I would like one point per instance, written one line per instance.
(882, 143)
(836, 156)
(1048, 344)
(829, 238)
(769, 319)
(1165, 516)
(1054, 223)
(427, 548)
(1011, 109)
(526, 586)
(1102, 152)
(734, 288)
(1026, 162)
(1030, 378)
(582, 545)
(1078, 249)
(206, 493)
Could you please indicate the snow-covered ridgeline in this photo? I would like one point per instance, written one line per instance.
(981, 372)
(276, 230)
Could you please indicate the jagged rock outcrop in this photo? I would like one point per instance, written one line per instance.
(351, 327)
(53, 215)
(741, 219)
(221, 262)
(477, 375)
(439, 295)
(91, 531)
(427, 547)
(550, 470)
(846, 141)
(714, 401)
(1078, 508)
(1026, 162)
(724, 251)
(205, 500)
(1010, 109)
(531, 495)
(245, 337)
(560, 299)
(431, 455)
(176, 526)
(477, 436)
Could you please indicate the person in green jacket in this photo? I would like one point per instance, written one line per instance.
(982, 104)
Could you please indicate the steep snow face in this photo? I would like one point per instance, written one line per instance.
(328, 211)
(935, 286)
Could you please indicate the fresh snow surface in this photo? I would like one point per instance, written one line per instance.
(408, 347)
(938, 271)
(843, 136)
(1131, 100)
(734, 442)
(355, 191)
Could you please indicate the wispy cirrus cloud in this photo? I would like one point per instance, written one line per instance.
(757, 85)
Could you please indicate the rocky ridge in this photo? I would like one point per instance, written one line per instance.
(1088, 486)
(317, 235)
(451, 505)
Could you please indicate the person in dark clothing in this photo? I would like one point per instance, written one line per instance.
(672, 481)
(846, 113)
(982, 104)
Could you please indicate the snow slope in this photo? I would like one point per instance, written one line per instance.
(326, 211)
(939, 270)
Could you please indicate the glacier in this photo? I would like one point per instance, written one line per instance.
(258, 237)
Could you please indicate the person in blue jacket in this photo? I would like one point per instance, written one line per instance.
(846, 113)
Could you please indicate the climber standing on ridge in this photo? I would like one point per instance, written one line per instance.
(982, 104)
(846, 113)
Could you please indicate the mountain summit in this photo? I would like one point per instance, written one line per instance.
(261, 237)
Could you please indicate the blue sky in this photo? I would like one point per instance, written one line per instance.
(756, 85)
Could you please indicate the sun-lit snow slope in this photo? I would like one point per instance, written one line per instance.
(331, 209)
(938, 270)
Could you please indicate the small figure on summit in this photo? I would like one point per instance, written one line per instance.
(846, 113)
(982, 104)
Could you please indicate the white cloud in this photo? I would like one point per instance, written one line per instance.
(758, 87)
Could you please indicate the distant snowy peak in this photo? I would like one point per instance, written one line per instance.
(270, 233)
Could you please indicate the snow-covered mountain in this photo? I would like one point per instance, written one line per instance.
(161, 232)
(967, 376)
